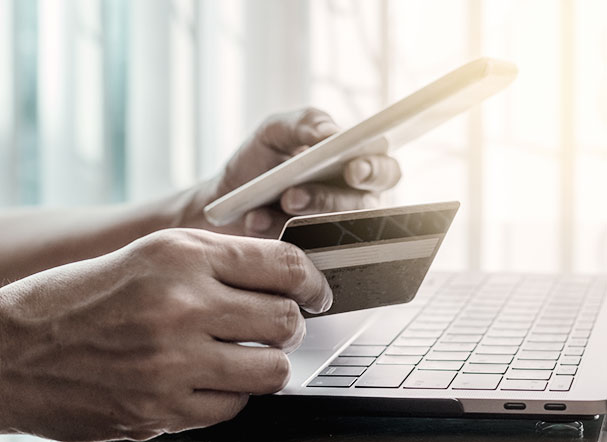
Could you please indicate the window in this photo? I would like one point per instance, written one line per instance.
(104, 100)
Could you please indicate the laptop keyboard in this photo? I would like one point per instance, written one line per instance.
(478, 332)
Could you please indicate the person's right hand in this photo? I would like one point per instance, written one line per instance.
(144, 340)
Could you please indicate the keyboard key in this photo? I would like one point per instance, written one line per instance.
(581, 334)
(465, 381)
(384, 376)
(461, 338)
(561, 383)
(454, 346)
(440, 365)
(488, 314)
(570, 360)
(398, 360)
(523, 385)
(540, 375)
(473, 322)
(350, 361)
(534, 337)
(504, 333)
(415, 342)
(547, 355)
(467, 330)
(440, 310)
(490, 359)
(363, 350)
(434, 380)
(512, 324)
(444, 318)
(543, 346)
(342, 371)
(400, 350)
(551, 330)
(557, 319)
(566, 370)
(332, 381)
(421, 334)
(486, 368)
(518, 316)
(574, 351)
(502, 341)
(534, 365)
(497, 350)
(548, 322)
(577, 342)
(448, 356)
(428, 326)
(587, 316)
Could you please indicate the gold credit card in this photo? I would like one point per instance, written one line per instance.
(372, 258)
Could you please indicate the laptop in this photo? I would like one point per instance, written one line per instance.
(469, 345)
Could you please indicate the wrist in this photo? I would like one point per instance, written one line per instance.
(187, 208)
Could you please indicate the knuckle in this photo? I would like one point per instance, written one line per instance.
(323, 201)
(139, 411)
(295, 270)
(162, 240)
(235, 253)
(309, 114)
(397, 173)
(368, 200)
(279, 370)
(233, 405)
(287, 320)
(148, 371)
(167, 246)
(269, 126)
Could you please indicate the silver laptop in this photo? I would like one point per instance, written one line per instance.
(468, 344)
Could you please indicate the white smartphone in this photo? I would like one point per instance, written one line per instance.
(389, 129)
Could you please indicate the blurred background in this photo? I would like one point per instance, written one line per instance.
(103, 101)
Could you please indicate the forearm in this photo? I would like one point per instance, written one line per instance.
(32, 240)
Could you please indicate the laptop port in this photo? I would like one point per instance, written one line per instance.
(555, 407)
(515, 406)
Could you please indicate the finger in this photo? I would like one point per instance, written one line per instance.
(321, 198)
(203, 408)
(264, 222)
(245, 316)
(275, 267)
(240, 368)
(287, 132)
(372, 172)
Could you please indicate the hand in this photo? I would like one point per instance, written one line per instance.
(279, 138)
(143, 340)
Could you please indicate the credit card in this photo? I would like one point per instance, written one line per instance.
(372, 258)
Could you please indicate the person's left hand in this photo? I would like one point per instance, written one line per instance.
(279, 138)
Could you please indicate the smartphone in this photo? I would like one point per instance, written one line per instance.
(389, 129)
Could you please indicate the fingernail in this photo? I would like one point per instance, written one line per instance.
(361, 170)
(326, 129)
(298, 199)
(326, 306)
(328, 299)
(258, 221)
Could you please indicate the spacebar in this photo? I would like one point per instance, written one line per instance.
(386, 326)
